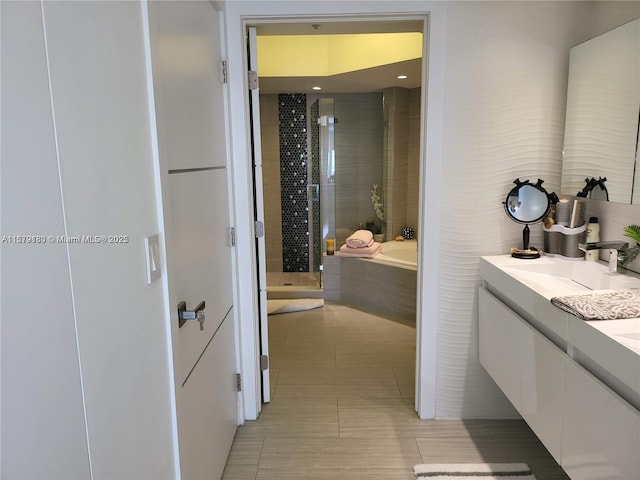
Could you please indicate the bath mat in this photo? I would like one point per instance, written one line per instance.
(479, 471)
(288, 305)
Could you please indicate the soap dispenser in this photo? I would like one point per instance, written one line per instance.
(593, 235)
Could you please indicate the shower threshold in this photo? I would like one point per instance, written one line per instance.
(284, 291)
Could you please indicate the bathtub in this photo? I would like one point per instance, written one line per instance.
(400, 254)
(384, 285)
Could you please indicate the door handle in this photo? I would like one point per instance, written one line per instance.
(195, 314)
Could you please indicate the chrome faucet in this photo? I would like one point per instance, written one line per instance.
(613, 247)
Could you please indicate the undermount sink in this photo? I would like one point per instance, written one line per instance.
(570, 276)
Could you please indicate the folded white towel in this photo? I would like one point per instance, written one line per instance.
(360, 239)
(367, 252)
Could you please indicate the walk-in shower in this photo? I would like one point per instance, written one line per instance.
(318, 177)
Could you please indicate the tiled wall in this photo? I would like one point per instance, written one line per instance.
(379, 288)
(402, 162)
(292, 111)
(413, 169)
(358, 144)
(359, 137)
(613, 217)
(396, 110)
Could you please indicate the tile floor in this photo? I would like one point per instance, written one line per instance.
(342, 385)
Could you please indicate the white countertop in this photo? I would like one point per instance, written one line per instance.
(527, 287)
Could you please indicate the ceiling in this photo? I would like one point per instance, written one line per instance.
(335, 26)
(367, 80)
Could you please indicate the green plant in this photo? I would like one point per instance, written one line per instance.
(628, 255)
(377, 202)
(633, 232)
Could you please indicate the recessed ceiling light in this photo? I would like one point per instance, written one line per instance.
(317, 88)
(401, 77)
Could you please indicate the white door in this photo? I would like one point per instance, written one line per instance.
(254, 100)
(189, 96)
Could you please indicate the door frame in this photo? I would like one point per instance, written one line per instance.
(433, 93)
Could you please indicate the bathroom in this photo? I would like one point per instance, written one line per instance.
(496, 99)
(485, 125)
(352, 140)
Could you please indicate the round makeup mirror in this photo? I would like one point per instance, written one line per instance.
(528, 203)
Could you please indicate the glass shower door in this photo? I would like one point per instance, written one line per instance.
(313, 197)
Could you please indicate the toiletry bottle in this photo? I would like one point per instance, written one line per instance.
(593, 235)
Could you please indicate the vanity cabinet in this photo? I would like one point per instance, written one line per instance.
(563, 376)
(600, 431)
(525, 365)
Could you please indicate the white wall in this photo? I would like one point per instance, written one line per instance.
(42, 404)
(506, 77)
(77, 160)
(497, 93)
(507, 66)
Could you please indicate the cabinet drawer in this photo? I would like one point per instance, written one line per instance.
(541, 388)
(499, 348)
(526, 366)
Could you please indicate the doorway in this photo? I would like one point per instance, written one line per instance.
(282, 95)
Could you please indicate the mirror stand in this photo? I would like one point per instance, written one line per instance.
(527, 204)
(526, 252)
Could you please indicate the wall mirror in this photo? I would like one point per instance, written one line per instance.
(595, 189)
(603, 109)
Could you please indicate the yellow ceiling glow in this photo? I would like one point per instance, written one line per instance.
(324, 55)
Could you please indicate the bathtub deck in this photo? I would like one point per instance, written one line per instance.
(376, 287)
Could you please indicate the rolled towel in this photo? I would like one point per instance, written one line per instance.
(370, 251)
(360, 239)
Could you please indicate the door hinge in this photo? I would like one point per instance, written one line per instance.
(259, 227)
(264, 362)
(232, 237)
(253, 80)
(223, 72)
(238, 382)
(325, 120)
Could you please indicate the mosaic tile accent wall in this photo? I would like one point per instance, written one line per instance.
(293, 180)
